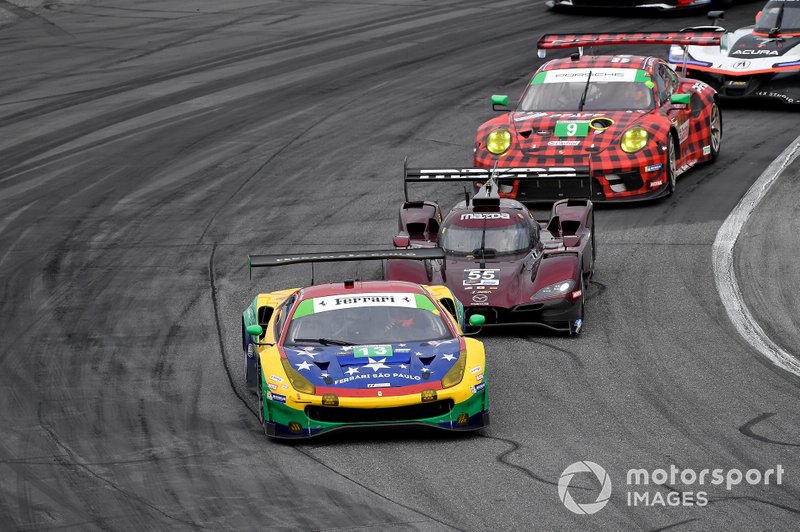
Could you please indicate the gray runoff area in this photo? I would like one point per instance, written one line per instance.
(147, 147)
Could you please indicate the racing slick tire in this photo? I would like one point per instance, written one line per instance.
(672, 179)
(714, 132)
(260, 387)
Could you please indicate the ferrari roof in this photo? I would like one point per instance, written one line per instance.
(361, 287)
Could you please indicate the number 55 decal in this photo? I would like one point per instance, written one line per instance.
(481, 277)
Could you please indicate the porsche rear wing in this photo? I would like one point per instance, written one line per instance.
(541, 183)
(271, 261)
(552, 41)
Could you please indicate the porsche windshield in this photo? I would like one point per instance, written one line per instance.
(363, 319)
(779, 17)
(608, 89)
(496, 240)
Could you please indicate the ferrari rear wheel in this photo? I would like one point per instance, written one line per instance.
(714, 131)
(672, 178)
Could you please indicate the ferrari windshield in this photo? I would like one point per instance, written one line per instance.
(779, 17)
(601, 89)
(496, 240)
(367, 318)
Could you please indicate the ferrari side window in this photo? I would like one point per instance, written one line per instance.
(283, 312)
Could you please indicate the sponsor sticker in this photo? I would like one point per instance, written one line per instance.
(475, 370)
(653, 167)
(378, 385)
(272, 386)
(479, 377)
(706, 150)
(480, 298)
(580, 75)
(486, 216)
(377, 299)
(276, 397)
(478, 387)
(563, 142)
(276, 378)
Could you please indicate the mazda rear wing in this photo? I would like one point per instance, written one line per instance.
(552, 41)
(542, 183)
(271, 261)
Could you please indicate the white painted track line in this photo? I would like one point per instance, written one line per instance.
(725, 275)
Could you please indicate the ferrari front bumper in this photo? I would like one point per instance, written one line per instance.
(304, 421)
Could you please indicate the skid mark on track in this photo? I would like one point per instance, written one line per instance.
(747, 430)
(75, 460)
(514, 447)
(674, 525)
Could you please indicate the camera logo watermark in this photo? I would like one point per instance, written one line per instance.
(685, 487)
(584, 467)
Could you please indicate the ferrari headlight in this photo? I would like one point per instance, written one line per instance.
(498, 141)
(560, 288)
(634, 140)
(456, 373)
(299, 383)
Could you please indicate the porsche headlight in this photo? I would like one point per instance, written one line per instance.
(560, 288)
(456, 373)
(498, 141)
(299, 383)
(634, 140)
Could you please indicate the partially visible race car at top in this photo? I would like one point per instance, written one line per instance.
(656, 5)
(359, 353)
(499, 261)
(760, 61)
(631, 120)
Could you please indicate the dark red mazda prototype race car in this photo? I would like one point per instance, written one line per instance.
(499, 261)
(631, 120)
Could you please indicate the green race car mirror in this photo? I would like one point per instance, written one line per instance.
(500, 102)
(477, 320)
(255, 330)
(684, 99)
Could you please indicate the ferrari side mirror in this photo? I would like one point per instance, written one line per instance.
(500, 102)
(255, 330)
(476, 320)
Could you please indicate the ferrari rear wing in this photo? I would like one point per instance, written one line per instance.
(541, 183)
(271, 261)
(553, 41)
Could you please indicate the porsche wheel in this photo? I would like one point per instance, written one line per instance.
(672, 178)
(714, 132)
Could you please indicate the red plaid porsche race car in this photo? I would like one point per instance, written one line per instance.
(632, 120)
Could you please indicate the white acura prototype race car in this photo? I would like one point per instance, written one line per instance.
(760, 61)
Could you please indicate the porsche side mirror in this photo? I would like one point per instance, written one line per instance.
(500, 102)
(681, 99)
(401, 241)
(572, 241)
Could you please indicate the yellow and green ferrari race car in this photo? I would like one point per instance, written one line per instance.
(362, 353)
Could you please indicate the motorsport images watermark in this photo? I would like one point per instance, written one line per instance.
(638, 492)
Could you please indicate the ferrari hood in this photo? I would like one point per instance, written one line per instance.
(375, 366)
(567, 133)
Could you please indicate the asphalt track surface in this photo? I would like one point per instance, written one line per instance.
(148, 147)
